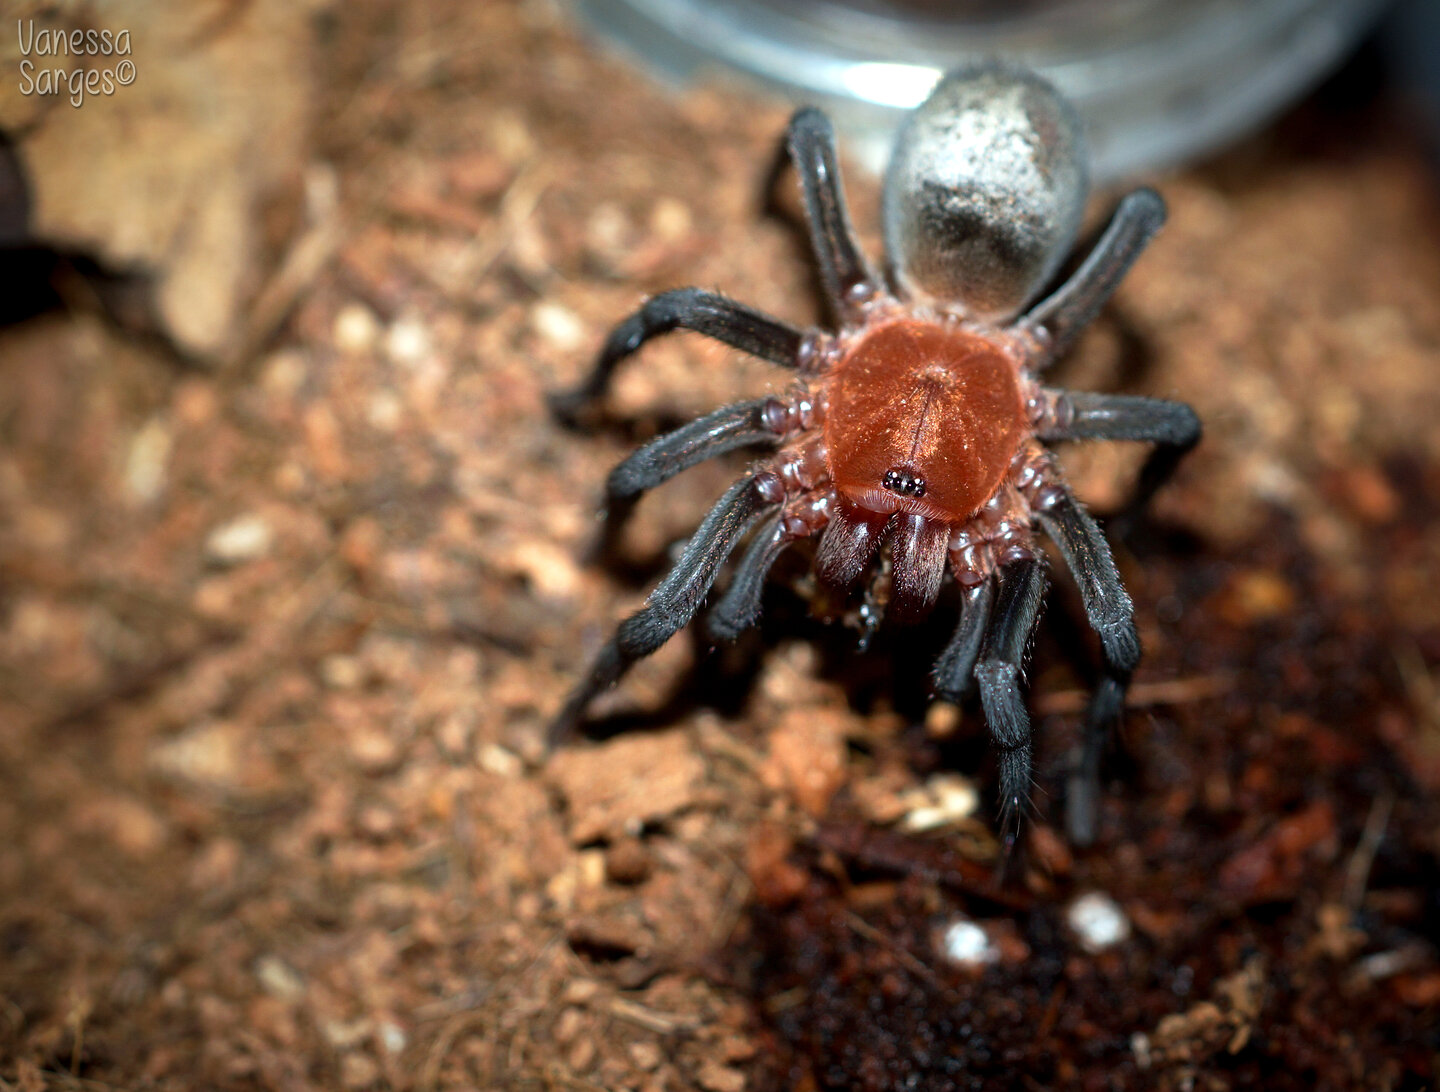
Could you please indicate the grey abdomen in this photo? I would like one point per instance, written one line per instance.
(984, 192)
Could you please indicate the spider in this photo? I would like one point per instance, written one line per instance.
(919, 425)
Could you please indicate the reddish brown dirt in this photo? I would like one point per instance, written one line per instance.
(278, 646)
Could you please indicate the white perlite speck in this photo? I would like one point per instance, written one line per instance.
(1098, 921)
(965, 943)
(146, 461)
(244, 538)
(407, 341)
(943, 801)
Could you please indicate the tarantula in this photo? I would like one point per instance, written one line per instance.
(919, 424)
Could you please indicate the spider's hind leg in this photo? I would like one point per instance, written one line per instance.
(677, 597)
(843, 269)
(1074, 305)
(707, 313)
(1112, 616)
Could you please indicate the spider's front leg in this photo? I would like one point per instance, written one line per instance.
(678, 596)
(742, 424)
(707, 313)
(806, 513)
(954, 670)
(1000, 674)
(739, 607)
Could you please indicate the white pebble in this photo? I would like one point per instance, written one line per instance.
(558, 326)
(145, 464)
(392, 1037)
(965, 943)
(341, 672)
(278, 979)
(408, 341)
(495, 759)
(1140, 1046)
(244, 538)
(284, 370)
(384, 411)
(208, 755)
(944, 800)
(356, 329)
(345, 1034)
(1098, 921)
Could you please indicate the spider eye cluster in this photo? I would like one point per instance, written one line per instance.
(905, 482)
(984, 192)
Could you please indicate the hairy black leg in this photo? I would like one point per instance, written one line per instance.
(955, 668)
(1000, 673)
(843, 268)
(728, 428)
(1112, 616)
(739, 607)
(1172, 427)
(1074, 305)
(707, 313)
(678, 596)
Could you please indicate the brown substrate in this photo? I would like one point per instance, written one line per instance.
(278, 648)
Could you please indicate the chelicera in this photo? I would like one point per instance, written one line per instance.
(919, 425)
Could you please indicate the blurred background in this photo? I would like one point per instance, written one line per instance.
(1157, 81)
(295, 567)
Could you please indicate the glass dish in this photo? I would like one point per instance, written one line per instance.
(1156, 81)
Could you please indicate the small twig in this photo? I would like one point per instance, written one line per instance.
(1420, 686)
(307, 257)
(462, 1002)
(62, 1079)
(662, 1023)
(1382, 965)
(1357, 870)
(435, 1056)
(732, 907)
(473, 1004)
(517, 204)
(1139, 696)
(140, 683)
(722, 744)
(557, 1076)
(869, 932)
(1052, 1013)
(13, 1012)
(77, 1016)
